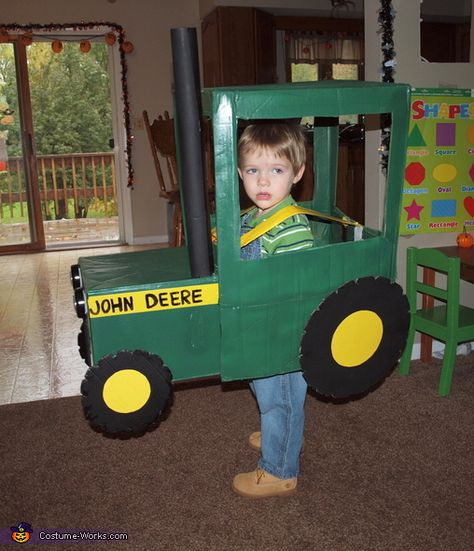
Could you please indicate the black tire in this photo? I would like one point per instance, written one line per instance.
(377, 300)
(76, 277)
(96, 401)
(83, 343)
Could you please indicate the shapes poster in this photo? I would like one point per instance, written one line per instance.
(438, 190)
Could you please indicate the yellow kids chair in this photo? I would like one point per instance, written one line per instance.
(449, 322)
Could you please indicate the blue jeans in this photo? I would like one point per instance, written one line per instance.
(281, 403)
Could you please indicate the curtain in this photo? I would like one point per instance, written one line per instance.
(314, 47)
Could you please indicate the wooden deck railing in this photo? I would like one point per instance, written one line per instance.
(79, 178)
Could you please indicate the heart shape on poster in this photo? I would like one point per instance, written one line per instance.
(469, 205)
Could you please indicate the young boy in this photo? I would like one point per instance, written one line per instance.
(271, 161)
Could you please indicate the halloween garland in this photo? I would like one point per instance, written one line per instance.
(386, 16)
(116, 33)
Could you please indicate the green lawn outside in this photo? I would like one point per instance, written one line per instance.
(96, 209)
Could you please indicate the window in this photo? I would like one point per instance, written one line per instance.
(314, 55)
(336, 55)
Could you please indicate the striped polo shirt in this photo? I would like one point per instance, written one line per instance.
(293, 234)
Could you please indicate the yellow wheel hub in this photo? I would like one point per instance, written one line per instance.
(126, 391)
(356, 338)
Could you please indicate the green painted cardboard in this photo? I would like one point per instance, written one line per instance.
(255, 327)
(266, 305)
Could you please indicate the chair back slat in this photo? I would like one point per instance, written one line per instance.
(435, 292)
(161, 136)
(162, 143)
(431, 258)
(440, 263)
(163, 146)
(449, 322)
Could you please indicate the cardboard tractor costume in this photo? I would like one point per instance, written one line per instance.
(332, 311)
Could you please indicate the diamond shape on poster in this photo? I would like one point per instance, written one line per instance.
(471, 172)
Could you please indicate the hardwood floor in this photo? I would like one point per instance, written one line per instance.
(39, 358)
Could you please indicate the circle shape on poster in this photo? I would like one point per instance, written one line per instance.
(445, 173)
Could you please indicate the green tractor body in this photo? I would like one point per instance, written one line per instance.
(252, 319)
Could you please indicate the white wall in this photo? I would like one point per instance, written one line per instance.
(411, 70)
(147, 24)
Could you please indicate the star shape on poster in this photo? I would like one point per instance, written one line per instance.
(413, 210)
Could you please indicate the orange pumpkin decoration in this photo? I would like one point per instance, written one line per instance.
(85, 46)
(110, 38)
(127, 47)
(57, 46)
(464, 239)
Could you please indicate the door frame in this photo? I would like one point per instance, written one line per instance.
(35, 218)
(118, 97)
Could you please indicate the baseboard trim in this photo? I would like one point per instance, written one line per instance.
(149, 240)
(437, 347)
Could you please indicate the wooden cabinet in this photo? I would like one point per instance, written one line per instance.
(445, 42)
(238, 47)
(350, 196)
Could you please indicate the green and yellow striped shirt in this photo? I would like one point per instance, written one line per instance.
(293, 234)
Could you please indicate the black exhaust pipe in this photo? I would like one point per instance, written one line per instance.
(188, 114)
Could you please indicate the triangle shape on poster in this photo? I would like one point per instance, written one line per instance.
(415, 138)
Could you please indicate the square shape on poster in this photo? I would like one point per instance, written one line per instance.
(445, 134)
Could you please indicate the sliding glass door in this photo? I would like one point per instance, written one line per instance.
(61, 164)
(21, 227)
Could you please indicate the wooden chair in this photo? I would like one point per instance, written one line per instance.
(162, 142)
(448, 322)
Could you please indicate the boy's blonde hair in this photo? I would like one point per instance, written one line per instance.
(285, 140)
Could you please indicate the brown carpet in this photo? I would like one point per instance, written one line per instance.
(392, 471)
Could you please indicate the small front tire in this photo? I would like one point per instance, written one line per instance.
(126, 393)
(83, 343)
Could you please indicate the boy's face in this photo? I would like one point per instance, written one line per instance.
(267, 179)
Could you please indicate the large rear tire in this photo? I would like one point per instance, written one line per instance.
(355, 337)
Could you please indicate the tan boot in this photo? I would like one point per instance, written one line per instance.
(255, 440)
(259, 483)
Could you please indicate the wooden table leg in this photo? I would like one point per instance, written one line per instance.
(427, 302)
